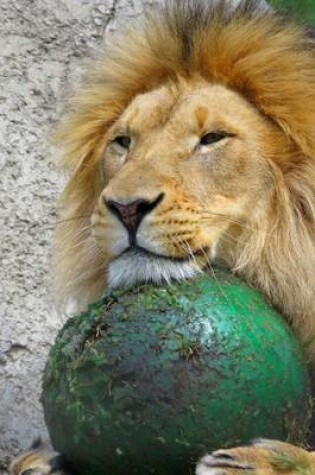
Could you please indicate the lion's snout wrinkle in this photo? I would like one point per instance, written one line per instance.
(131, 214)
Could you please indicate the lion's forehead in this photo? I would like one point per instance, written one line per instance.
(151, 108)
(191, 107)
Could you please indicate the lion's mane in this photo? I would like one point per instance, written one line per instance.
(267, 59)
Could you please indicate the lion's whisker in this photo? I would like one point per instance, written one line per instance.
(73, 218)
(209, 263)
(206, 216)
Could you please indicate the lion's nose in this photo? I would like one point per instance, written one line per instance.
(131, 214)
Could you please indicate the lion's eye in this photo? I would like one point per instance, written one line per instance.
(212, 137)
(123, 141)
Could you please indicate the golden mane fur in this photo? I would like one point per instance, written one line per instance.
(266, 59)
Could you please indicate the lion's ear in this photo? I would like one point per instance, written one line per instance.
(297, 120)
(279, 80)
(283, 85)
(271, 62)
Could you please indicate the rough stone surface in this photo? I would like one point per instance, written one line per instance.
(43, 46)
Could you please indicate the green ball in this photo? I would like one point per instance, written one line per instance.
(149, 379)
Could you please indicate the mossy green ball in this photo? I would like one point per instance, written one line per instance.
(149, 379)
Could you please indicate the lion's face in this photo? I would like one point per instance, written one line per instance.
(184, 166)
(193, 137)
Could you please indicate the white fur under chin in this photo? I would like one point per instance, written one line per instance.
(135, 268)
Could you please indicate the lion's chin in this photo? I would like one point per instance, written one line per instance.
(137, 266)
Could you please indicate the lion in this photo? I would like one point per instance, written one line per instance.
(193, 140)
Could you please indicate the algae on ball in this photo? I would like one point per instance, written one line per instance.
(149, 379)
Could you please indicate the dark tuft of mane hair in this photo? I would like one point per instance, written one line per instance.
(186, 19)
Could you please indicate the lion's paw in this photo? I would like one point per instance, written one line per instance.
(222, 463)
(263, 457)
